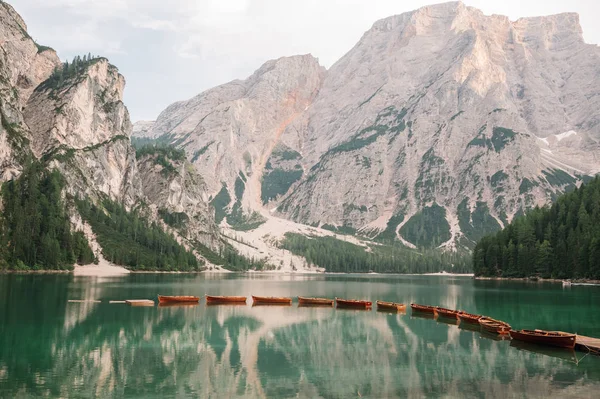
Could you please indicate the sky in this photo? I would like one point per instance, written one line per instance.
(171, 50)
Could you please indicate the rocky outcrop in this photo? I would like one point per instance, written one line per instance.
(85, 110)
(23, 65)
(439, 126)
(82, 127)
(178, 196)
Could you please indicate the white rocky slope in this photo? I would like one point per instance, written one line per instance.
(440, 125)
(23, 65)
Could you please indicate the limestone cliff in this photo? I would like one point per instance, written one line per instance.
(178, 196)
(23, 65)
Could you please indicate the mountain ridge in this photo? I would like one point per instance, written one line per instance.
(468, 133)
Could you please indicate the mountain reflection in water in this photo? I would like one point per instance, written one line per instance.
(51, 348)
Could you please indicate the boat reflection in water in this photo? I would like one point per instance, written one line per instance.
(423, 315)
(557, 353)
(177, 304)
(88, 350)
(447, 320)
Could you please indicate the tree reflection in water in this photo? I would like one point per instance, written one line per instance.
(51, 348)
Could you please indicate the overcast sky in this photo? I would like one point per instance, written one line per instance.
(171, 50)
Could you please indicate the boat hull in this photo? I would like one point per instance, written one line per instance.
(561, 340)
(304, 301)
(271, 300)
(225, 299)
(353, 303)
(447, 313)
(469, 318)
(391, 306)
(423, 308)
(171, 299)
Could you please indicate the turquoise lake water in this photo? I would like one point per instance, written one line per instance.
(52, 348)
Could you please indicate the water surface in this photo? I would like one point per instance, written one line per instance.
(52, 348)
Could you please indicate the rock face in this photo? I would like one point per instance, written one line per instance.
(23, 65)
(230, 131)
(440, 125)
(179, 197)
(84, 111)
(83, 127)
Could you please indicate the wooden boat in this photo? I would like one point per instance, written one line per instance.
(397, 307)
(353, 303)
(139, 302)
(181, 298)
(304, 301)
(225, 299)
(469, 317)
(448, 313)
(423, 308)
(541, 337)
(271, 300)
(494, 326)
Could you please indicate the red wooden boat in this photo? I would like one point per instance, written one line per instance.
(494, 326)
(396, 307)
(552, 338)
(448, 313)
(304, 301)
(423, 308)
(271, 300)
(184, 298)
(469, 317)
(353, 303)
(225, 299)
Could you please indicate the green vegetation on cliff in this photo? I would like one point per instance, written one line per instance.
(35, 231)
(128, 239)
(67, 71)
(341, 256)
(428, 227)
(562, 241)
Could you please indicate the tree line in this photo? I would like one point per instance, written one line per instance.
(128, 239)
(341, 256)
(560, 241)
(35, 230)
(66, 71)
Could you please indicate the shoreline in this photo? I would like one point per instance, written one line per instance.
(109, 271)
(537, 280)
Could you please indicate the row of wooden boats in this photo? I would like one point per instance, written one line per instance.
(490, 325)
(302, 301)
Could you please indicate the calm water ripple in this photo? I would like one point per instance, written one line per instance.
(52, 348)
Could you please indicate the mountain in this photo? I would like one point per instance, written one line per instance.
(440, 125)
(561, 241)
(66, 154)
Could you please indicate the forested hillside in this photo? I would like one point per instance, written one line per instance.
(341, 256)
(562, 241)
(128, 239)
(35, 231)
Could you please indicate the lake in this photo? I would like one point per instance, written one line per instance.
(52, 348)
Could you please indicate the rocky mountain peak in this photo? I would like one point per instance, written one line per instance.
(78, 109)
(439, 125)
